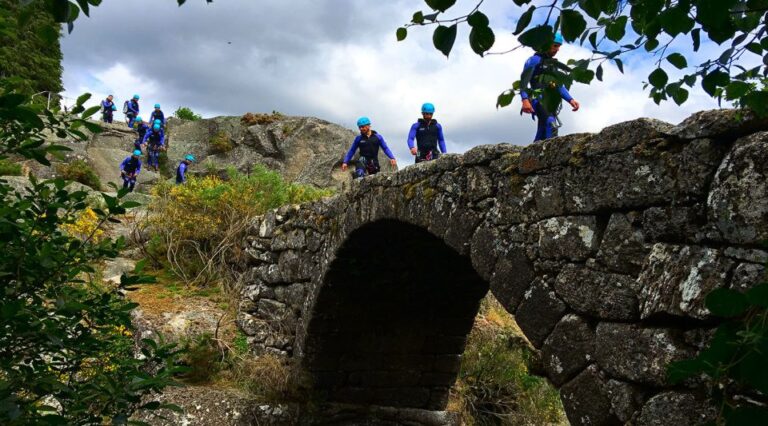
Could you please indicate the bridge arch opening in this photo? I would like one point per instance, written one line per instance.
(391, 319)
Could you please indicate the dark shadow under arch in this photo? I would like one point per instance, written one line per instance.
(391, 320)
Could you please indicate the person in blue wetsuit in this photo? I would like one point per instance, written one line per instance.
(181, 171)
(131, 109)
(108, 108)
(369, 142)
(157, 114)
(129, 170)
(428, 134)
(155, 141)
(535, 67)
(141, 129)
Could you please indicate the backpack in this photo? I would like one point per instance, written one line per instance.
(125, 107)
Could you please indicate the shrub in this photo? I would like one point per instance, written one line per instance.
(66, 344)
(220, 143)
(185, 113)
(203, 219)
(85, 226)
(250, 119)
(494, 385)
(9, 168)
(80, 171)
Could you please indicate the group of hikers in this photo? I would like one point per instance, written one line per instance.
(426, 131)
(150, 134)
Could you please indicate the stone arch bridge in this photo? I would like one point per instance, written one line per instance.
(603, 246)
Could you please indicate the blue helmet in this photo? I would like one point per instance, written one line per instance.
(157, 121)
(137, 152)
(363, 121)
(114, 107)
(138, 119)
(190, 157)
(157, 105)
(428, 108)
(156, 127)
(136, 97)
(558, 38)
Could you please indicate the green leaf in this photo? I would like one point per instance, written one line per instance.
(619, 65)
(181, 2)
(658, 78)
(481, 39)
(478, 19)
(737, 89)
(726, 303)
(524, 20)
(90, 112)
(675, 21)
(60, 10)
(418, 18)
(592, 7)
(539, 38)
(521, 2)
(441, 5)
(696, 38)
(758, 295)
(681, 370)
(651, 44)
(84, 6)
(755, 48)
(680, 96)
(753, 371)
(74, 12)
(83, 99)
(572, 24)
(746, 415)
(443, 38)
(616, 29)
(582, 75)
(713, 80)
(677, 60)
(505, 98)
(599, 72)
(401, 34)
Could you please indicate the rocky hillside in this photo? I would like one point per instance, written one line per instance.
(303, 149)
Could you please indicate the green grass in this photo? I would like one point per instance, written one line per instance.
(9, 168)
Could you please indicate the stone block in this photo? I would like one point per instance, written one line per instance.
(573, 237)
(511, 278)
(623, 247)
(599, 294)
(586, 400)
(738, 200)
(539, 312)
(676, 280)
(639, 354)
(568, 349)
(676, 408)
(626, 398)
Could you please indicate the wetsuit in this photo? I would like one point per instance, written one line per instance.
(106, 114)
(157, 115)
(154, 140)
(132, 111)
(532, 71)
(428, 135)
(368, 162)
(181, 173)
(130, 168)
(142, 130)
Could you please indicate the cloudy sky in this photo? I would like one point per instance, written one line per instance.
(336, 60)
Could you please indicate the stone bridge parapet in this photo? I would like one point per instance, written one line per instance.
(603, 246)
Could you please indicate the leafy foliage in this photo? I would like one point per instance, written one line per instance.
(9, 168)
(200, 221)
(29, 48)
(494, 385)
(186, 113)
(66, 345)
(604, 26)
(80, 171)
(220, 143)
(736, 357)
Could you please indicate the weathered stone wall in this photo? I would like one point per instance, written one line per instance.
(603, 246)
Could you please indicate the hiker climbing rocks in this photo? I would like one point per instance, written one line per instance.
(129, 170)
(157, 114)
(155, 140)
(141, 129)
(181, 171)
(369, 142)
(131, 109)
(428, 134)
(108, 108)
(537, 66)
